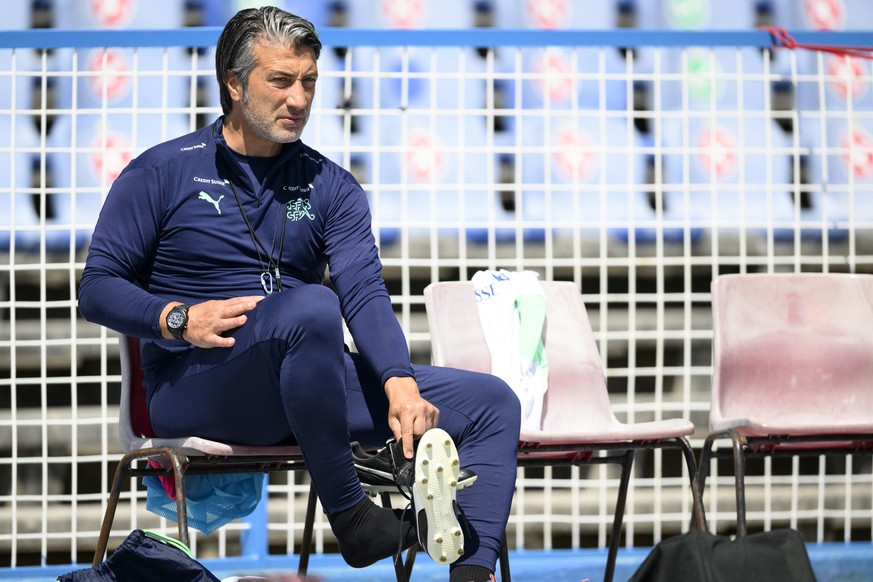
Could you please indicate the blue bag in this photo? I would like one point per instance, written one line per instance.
(145, 557)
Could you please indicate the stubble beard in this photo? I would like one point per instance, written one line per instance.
(264, 124)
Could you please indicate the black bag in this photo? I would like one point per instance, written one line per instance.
(695, 556)
(145, 558)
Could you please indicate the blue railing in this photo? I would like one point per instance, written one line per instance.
(207, 36)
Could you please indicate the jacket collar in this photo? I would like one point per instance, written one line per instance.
(224, 150)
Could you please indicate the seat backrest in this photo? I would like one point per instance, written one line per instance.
(133, 418)
(576, 395)
(792, 349)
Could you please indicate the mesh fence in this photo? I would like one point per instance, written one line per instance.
(639, 166)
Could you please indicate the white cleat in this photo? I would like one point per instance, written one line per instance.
(436, 482)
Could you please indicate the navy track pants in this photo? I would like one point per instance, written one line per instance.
(289, 378)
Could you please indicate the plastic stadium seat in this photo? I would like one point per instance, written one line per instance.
(20, 69)
(838, 175)
(30, 207)
(18, 15)
(574, 78)
(409, 14)
(191, 455)
(417, 78)
(578, 421)
(81, 179)
(218, 12)
(836, 83)
(131, 14)
(847, 81)
(567, 77)
(792, 368)
(832, 14)
(183, 455)
(330, 92)
(144, 78)
(318, 13)
(719, 79)
(564, 77)
(389, 79)
(588, 174)
(434, 176)
(851, 151)
(717, 14)
(207, 87)
(555, 14)
(18, 196)
(19, 73)
(735, 174)
(126, 77)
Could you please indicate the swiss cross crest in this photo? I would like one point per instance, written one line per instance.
(403, 14)
(547, 14)
(425, 159)
(824, 14)
(109, 70)
(847, 77)
(554, 76)
(112, 13)
(858, 154)
(575, 156)
(717, 152)
(112, 154)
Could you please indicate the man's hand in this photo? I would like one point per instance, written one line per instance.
(409, 415)
(208, 320)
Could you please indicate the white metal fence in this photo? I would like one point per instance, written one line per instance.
(639, 174)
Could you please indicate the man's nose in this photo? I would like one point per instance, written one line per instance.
(296, 95)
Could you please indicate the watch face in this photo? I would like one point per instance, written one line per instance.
(175, 319)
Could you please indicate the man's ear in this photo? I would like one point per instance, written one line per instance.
(234, 87)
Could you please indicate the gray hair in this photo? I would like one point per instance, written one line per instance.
(235, 49)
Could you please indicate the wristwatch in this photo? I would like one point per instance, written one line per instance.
(177, 321)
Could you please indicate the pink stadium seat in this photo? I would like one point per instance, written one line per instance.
(195, 455)
(184, 455)
(792, 368)
(578, 421)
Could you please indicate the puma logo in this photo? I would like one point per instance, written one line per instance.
(204, 196)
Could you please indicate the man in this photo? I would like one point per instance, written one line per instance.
(213, 248)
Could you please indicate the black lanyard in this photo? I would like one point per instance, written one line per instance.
(271, 270)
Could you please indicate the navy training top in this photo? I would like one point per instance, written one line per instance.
(171, 230)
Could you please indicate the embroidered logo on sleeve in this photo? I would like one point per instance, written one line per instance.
(204, 196)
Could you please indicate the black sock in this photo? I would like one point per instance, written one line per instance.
(367, 533)
(470, 574)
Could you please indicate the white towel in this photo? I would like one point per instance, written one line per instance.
(512, 312)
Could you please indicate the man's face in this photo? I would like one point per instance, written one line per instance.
(280, 91)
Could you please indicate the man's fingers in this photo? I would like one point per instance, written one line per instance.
(408, 449)
(239, 305)
(218, 341)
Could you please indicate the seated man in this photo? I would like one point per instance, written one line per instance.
(213, 248)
